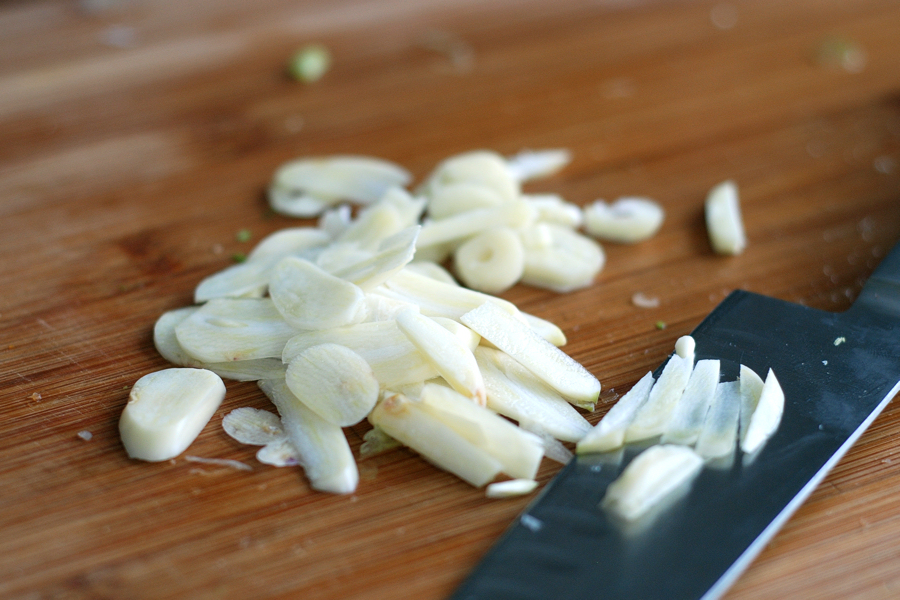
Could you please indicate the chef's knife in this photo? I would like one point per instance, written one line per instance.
(838, 371)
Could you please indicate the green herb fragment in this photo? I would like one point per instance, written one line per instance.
(310, 63)
(243, 235)
(238, 257)
(660, 325)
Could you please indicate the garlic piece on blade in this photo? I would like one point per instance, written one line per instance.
(166, 411)
(649, 478)
(510, 488)
(609, 433)
(765, 416)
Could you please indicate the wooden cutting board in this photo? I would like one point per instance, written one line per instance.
(138, 139)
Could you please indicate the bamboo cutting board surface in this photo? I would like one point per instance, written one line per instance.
(138, 138)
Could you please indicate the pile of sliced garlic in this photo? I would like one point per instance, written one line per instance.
(343, 322)
(355, 319)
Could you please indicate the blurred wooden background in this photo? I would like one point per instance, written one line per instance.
(138, 137)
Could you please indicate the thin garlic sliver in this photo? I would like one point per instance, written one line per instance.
(539, 356)
(649, 479)
(765, 415)
(310, 298)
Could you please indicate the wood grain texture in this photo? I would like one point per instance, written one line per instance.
(138, 137)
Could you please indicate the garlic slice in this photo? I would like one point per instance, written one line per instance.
(393, 253)
(253, 426)
(649, 479)
(609, 433)
(719, 435)
(491, 262)
(321, 446)
(517, 393)
(329, 180)
(534, 164)
(654, 416)
(510, 488)
(451, 357)
(724, 223)
(411, 424)
(479, 166)
(438, 299)
(167, 410)
(285, 242)
(234, 329)
(334, 382)
(539, 356)
(459, 227)
(518, 451)
(308, 297)
(551, 208)
(687, 418)
(456, 198)
(627, 220)
(167, 345)
(560, 259)
(388, 352)
(764, 414)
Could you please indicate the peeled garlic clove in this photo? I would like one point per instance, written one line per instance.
(357, 179)
(719, 435)
(409, 423)
(534, 164)
(510, 488)
(518, 451)
(560, 259)
(491, 262)
(480, 166)
(233, 329)
(627, 220)
(334, 382)
(167, 410)
(310, 298)
(765, 415)
(650, 478)
(253, 426)
(655, 414)
(455, 229)
(321, 446)
(724, 223)
(609, 433)
(539, 356)
(457, 198)
(449, 354)
(515, 392)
